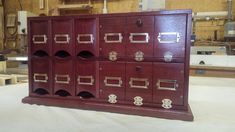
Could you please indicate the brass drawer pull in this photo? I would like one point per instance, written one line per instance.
(164, 41)
(62, 38)
(37, 77)
(145, 80)
(112, 98)
(80, 78)
(132, 35)
(90, 41)
(138, 101)
(113, 56)
(63, 79)
(174, 84)
(167, 103)
(119, 79)
(39, 39)
(119, 40)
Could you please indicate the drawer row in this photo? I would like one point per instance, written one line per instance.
(137, 37)
(134, 82)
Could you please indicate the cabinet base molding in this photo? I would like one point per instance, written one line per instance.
(114, 108)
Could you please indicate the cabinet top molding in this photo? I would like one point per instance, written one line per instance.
(162, 12)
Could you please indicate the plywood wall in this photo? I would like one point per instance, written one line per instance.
(204, 30)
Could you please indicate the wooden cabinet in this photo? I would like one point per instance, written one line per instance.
(133, 63)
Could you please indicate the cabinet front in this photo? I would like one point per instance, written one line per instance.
(140, 37)
(39, 31)
(62, 33)
(41, 75)
(112, 38)
(170, 36)
(112, 81)
(86, 77)
(168, 84)
(86, 31)
(139, 82)
(63, 76)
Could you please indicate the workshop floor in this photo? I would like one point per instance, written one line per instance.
(211, 99)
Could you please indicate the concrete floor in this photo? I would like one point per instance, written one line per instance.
(211, 99)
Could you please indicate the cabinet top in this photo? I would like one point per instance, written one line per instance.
(162, 12)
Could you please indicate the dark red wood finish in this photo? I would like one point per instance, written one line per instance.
(85, 36)
(112, 79)
(86, 77)
(40, 36)
(168, 82)
(167, 27)
(140, 36)
(62, 35)
(89, 62)
(112, 36)
(41, 76)
(63, 77)
(139, 81)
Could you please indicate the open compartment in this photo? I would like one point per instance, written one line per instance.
(63, 76)
(39, 35)
(86, 35)
(86, 77)
(41, 84)
(62, 34)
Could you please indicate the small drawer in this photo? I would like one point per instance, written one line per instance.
(112, 81)
(168, 83)
(170, 36)
(112, 44)
(139, 81)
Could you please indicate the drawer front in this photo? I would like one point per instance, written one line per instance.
(140, 45)
(41, 74)
(170, 36)
(140, 37)
(63, 76)
(86, 77)
(112, 81)
(85, 31)
(39, 30)
(139, 82)
(168, 83)
(62, 34)
(112, 38)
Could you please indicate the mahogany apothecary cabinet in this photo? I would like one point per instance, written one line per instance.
(132, 63)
